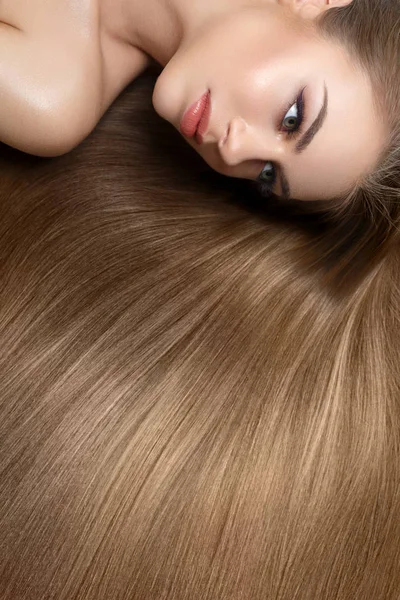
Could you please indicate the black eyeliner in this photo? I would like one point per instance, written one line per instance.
(266, 189)
(300, 108)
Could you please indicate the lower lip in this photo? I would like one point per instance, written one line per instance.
(196, 118)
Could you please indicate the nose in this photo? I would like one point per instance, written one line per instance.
(244, 142)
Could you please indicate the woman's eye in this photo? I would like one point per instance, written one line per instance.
(268, 174)
(291, 119)
(291, 124)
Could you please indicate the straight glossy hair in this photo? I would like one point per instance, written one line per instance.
(190, 407)
(370, 31)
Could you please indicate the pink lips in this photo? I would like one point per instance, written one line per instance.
(196, 118)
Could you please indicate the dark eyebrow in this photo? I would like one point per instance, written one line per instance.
(309, 135)
(305, 141)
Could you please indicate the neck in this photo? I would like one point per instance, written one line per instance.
(161, 27)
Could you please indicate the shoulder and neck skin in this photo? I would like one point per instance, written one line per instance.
(160, 27)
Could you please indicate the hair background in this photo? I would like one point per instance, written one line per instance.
(370, 32)
(189, 407)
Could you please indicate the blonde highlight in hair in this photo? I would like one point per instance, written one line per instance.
(370, 31)
(189, 409)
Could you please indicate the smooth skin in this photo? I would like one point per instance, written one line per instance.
(63, 62)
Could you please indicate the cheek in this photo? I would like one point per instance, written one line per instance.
(264, 74)
(240, 48)
(211, 156)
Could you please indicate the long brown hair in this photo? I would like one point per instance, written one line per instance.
(370, 30)
(188, 410)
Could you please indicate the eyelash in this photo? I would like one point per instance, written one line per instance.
(300, 107)
(264, 188)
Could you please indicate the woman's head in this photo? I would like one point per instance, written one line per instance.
(278, 65)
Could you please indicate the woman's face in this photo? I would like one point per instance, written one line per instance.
(287, 106)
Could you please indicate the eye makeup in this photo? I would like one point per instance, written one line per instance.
(300, 105)
(266, 189)
(263, 189)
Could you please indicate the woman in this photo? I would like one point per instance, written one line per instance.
(300, 96)
(187, 411)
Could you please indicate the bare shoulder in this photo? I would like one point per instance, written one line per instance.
(59, 72)
(50, 73)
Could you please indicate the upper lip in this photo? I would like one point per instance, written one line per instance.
(196, 118)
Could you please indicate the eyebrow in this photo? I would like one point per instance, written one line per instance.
(311, 132)
(305, 141)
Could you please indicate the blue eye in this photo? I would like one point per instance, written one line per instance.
(290, 125)
(268, 174)
(291, 119)
(294, 117)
